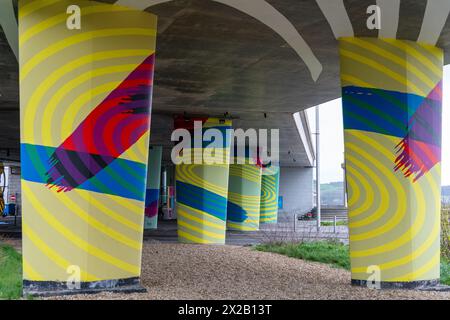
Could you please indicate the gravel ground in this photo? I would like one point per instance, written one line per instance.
(179, 271)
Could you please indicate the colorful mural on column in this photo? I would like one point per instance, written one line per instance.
(85, 111)
(202, 189)
(244, 194)
(270, 181)
(2, 188)
(392, 99)
(153, 188)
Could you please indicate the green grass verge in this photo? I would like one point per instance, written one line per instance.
(332, 253)
(10, 273)
(335, 254)
(330, 223)
(445, 271)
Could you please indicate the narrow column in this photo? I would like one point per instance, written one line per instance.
(153, 188)
(202, 184)
(270, 183)
(392, 98)
(244, 194)
(85, 99)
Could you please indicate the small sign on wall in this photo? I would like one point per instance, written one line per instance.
(15, 170)
(280, 202)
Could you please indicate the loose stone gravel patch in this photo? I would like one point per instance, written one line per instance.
(183, 271)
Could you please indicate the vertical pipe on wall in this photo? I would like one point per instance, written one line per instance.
(318, 220)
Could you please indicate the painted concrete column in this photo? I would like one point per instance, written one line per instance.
(392, 99)
(244, 194)
(85, 99)
(202, 185)
(270, 185)
(153, 187)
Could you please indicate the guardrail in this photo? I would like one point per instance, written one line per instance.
(334, 220)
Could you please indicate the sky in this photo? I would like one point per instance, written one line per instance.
(332, 137)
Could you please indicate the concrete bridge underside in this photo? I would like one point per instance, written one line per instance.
(256, 64)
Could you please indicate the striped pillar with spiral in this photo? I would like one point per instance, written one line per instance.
(202, 182)
(2, 188)
(392, 100)
(244, 192)
(270, 183)
(85, 104)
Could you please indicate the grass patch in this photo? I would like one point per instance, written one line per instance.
(331, 223)
(10, 273)
(445, 271)
(335, 254)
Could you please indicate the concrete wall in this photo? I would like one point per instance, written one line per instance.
(296, 188)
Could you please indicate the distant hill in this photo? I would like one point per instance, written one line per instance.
(332, 194)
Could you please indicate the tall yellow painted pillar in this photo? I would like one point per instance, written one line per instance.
(270, 185)
(85, 86)
(202, 181)
(244, 192)
(392, 99)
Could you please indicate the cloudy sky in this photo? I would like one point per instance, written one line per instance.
(332, 139)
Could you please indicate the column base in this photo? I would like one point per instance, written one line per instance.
(413, 285)
(184, 241)
(55, 288)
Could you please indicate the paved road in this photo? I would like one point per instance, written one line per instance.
(283, 231)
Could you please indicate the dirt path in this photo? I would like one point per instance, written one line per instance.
(177, 271)
(15, 243)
